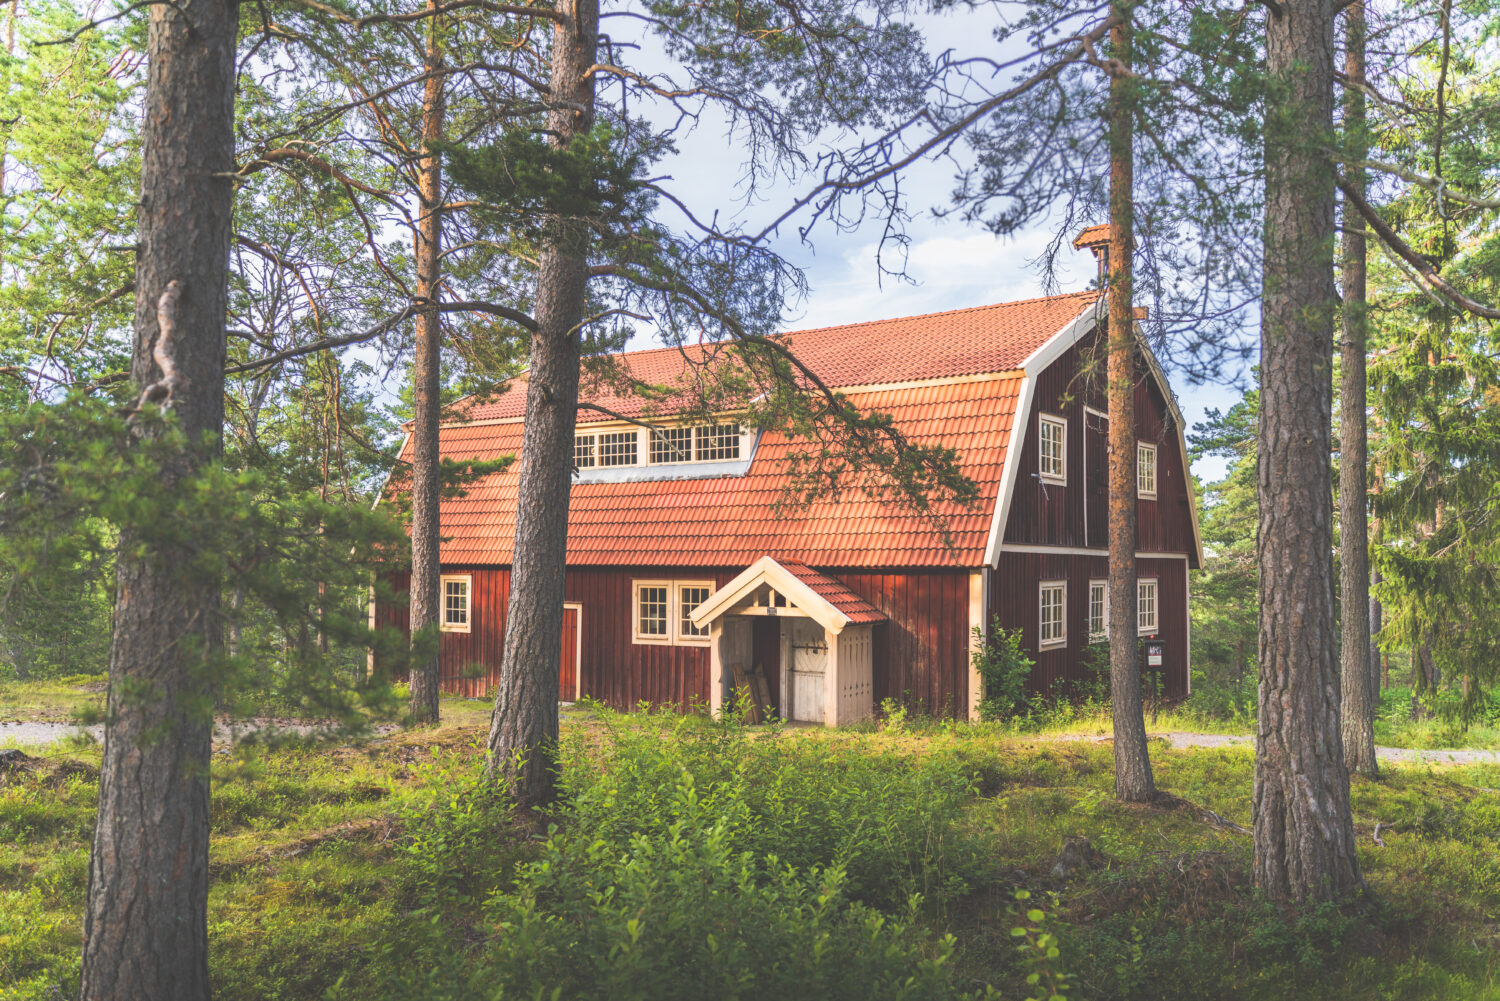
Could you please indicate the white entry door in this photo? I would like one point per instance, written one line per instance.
(809, 662)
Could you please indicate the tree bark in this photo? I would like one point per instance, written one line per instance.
(1133, 780)
(426, 494)
(523, 725)
(1304, 833)
(145, 922)
(1358, 709)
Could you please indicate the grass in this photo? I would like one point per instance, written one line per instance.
(382, 871)
(57, 700)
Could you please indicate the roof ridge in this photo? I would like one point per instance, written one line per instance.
(1094, 293)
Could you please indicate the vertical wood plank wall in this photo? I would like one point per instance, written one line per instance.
(920, 655)
(1052, 514)
(1016, 598)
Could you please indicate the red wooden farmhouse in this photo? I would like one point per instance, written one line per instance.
(679, 565)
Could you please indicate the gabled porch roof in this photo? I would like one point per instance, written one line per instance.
(821, 598)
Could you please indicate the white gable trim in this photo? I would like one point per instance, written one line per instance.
(1187, 473)
(1050, 350)
(767, 571)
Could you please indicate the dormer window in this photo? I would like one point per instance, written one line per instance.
(663, 446)
(718, 443)
(618, 448)
(583, 451)
(1052, 449)
(672, 445)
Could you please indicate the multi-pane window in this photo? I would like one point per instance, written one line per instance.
(652, 605)
(672, 445)
(689, 597)
(1098, 610)
(663, 446)
(1054, 630)
(1052, 448)
(1146, 608)
(664, 609)
(617, 448)
(718, 443)
(1145, 470)
(583, 451)
(455, 604)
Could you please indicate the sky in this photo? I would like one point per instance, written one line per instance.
(951, 264)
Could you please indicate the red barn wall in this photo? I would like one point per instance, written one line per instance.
(1052, 514)
(1016, 598)
(921, 654)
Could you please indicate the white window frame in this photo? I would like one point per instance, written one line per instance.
(1143, 585)
(1142, 451)
(718, 437)
(1061, 639)
(1103, 587)
(589, 441)
(680, 637)
(468, 623)
(650, 639)
(674, 636)
(660, 441)
(628, 439)
(1041, 451)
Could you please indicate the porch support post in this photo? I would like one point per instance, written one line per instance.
(976, 639)
(716, 668)
(831, 680)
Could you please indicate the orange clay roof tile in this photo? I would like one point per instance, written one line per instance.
(858, 610)
(974, 341)
(731, 521)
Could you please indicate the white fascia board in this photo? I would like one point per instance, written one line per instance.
(767, 571)
(1033, 366)
(1171, 398)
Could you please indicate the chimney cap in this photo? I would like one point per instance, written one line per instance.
(1092, 237)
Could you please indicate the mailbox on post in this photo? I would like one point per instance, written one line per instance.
(1155, 651)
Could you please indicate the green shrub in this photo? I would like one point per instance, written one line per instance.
(1003, 668)
(889, 820)
(682, 913)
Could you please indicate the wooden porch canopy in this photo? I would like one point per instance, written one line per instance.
(826, 662)
(768, 587)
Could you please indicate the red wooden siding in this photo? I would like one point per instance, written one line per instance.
(1055, 514)
(921, 654)
(1015, 598)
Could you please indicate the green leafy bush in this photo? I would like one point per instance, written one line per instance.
(891, 821)
(685, 913)
(1003, 668)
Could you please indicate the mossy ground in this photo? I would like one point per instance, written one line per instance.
(316, 890)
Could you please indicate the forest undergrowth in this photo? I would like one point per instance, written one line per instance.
(690, 858)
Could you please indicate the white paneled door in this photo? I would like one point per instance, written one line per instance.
(809, 662)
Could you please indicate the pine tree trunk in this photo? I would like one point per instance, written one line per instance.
(1376, 615)
(145, 922)
(1133, 781)
(523, 725)
(1304, 833)
(1358, 709)
(426, 494)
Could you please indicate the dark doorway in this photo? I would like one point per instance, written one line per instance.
(765, 653)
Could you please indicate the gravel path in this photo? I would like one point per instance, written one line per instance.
(34, 734)
(1181, 738)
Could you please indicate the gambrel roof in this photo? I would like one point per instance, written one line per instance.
(956, 378)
